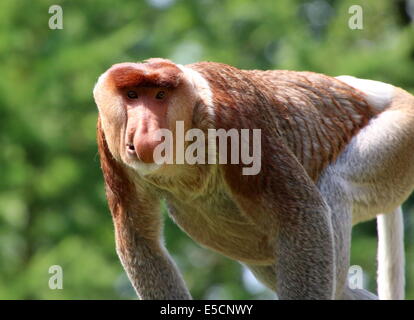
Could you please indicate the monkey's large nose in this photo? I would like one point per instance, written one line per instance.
(144, 147)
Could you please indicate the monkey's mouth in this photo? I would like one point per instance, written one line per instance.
(130, 149)
(136, 163)
(131, 153)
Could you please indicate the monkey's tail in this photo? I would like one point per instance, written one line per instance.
(391, 258)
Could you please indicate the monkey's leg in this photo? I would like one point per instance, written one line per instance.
(332, 188)
(378, 164)
(341, 222)
(377, 168)
(329, 185)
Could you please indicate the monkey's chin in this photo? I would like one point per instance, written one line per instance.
(144, 168)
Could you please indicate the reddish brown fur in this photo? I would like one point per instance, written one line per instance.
(119, 189)
(152, 73)
(294, 106)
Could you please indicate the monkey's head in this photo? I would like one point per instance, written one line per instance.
(135, 101)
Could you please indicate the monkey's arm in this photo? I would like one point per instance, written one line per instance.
(285, 202)
(137, 220)
(305, 266)
(151, 270)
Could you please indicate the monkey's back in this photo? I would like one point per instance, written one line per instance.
(323, 115)
(315, 115)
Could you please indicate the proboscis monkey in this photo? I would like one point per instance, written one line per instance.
(333, 152)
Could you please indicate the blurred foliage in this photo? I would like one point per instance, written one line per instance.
(52, 205)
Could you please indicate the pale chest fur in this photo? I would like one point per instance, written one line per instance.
(215, 222)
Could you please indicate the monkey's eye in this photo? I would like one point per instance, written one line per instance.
(160, 95)
(132, 94)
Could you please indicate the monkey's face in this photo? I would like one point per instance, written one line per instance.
(137, 101)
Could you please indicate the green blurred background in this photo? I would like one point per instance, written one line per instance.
(52, 205)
